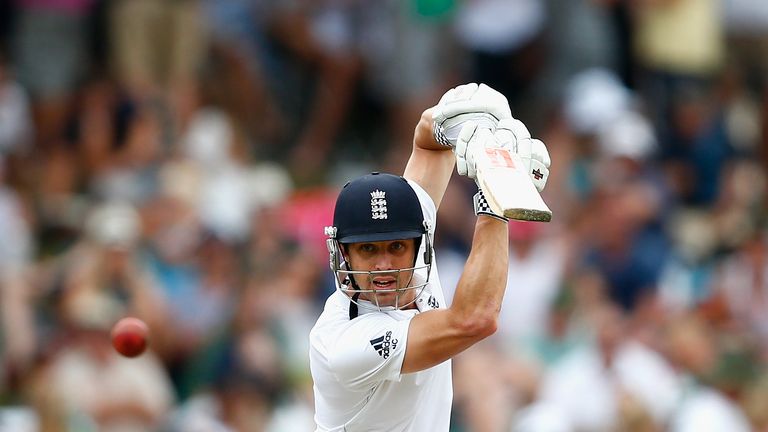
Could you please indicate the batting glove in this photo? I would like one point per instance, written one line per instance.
(469, 102)
(471, 139)
(482, 207)
(512, 133)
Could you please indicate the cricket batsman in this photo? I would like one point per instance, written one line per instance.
(380, 352)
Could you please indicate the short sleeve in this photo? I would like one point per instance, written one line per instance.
(370, 349)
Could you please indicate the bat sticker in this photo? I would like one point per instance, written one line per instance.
(499, 158)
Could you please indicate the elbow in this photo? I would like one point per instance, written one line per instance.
(480, 327)
(488, 327)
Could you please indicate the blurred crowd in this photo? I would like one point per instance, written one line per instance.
(176, 160)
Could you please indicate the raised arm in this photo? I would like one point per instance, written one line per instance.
(440, 334)
(466, 119)
(431, 164)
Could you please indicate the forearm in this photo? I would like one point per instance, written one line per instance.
(438, 335)
(480, 290)
(431, 164)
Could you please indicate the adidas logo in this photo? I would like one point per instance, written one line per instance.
(433, 303)
(384, 344)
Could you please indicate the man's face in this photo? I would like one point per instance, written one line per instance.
(385, 258)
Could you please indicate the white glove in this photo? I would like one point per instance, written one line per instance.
(469, 102)
(471, 139)
(512, 133)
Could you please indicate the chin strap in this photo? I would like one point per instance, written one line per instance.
(353, 311)
(353, 306)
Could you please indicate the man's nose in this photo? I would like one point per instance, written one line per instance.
(383, 262)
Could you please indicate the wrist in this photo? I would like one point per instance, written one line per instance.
(424, 136)
(487, 218)
(483, 207)
(438, 132)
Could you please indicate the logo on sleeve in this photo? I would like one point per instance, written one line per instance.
(433, 303)
(384, 344)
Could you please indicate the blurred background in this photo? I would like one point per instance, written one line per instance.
(176, 160)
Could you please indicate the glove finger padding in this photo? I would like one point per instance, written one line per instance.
(462, 144)
(472, 139)
(535, 157)
(510, 131)
(540, 153)
(468, 102)
(538, 165)
(492, 102)
(471, 98)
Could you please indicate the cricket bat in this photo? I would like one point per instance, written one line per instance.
(502, 176)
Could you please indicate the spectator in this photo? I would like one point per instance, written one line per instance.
(692, 349)
(16, 128)
(51, 35)
(157, 45)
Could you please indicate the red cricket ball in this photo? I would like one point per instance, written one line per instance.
(129, 336)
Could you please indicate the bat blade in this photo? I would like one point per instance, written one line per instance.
(506, 185)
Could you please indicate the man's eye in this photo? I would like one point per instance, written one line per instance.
(398, 246)
(367, 248)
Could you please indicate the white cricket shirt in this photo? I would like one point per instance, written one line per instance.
(356, 363)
